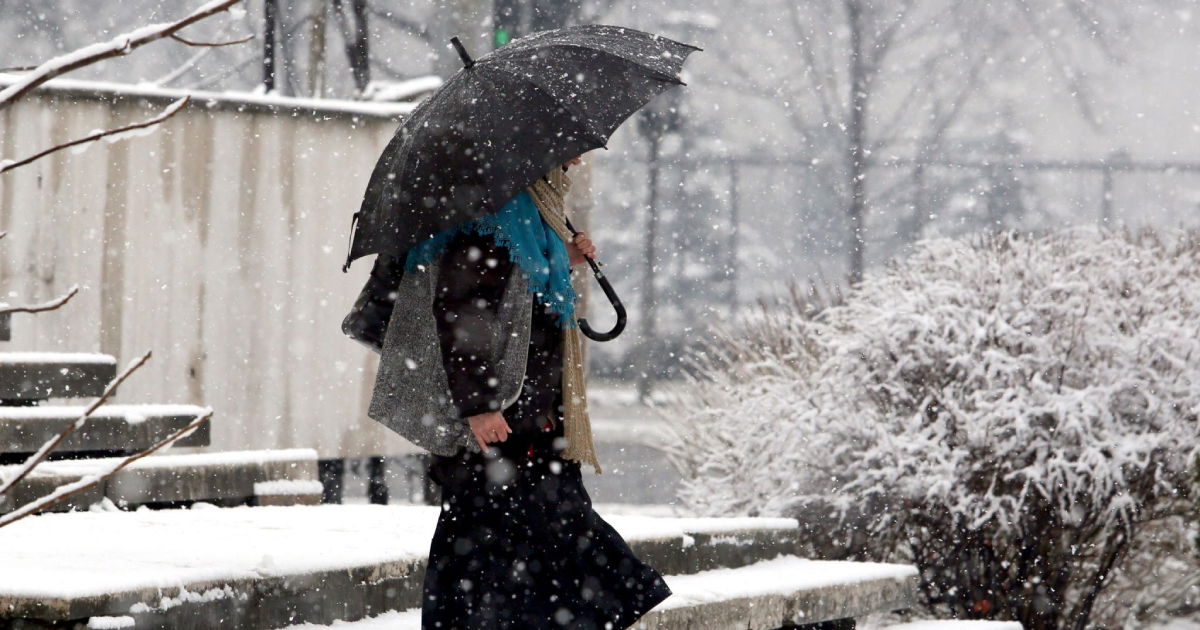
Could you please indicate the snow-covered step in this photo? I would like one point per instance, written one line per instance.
(112, 429)
(784, 591)
(267, 567)
(230, 477)
(957, 624)
(30, 376)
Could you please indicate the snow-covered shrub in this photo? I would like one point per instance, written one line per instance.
(1007, 413)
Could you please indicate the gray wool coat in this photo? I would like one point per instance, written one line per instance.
(412, 392)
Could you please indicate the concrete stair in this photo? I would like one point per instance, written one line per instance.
(29, 380)
(276, 477)
(112, 429)
(783, 592)
(264, 568)
(30, 377)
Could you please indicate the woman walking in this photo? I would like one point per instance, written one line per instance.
(517, 543)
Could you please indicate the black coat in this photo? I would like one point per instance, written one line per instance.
(472, 280)
(517, 544)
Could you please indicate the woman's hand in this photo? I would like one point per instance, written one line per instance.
(489, 427)
(580, 248)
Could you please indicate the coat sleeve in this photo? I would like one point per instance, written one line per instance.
(473, 274)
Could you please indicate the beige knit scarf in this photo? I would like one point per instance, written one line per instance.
(577, 427)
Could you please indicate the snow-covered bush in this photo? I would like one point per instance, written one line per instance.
(1007, 413)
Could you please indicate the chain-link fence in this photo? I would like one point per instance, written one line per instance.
(733, 230)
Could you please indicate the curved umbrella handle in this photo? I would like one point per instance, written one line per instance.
(612, 298)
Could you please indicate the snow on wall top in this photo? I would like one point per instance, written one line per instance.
(56, 357)
(234, 100)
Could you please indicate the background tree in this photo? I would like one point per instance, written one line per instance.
(861, 80)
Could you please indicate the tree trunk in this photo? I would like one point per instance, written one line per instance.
(270, 19)
(360, 59)
(856, 157)
(649, 297)
(316, 49)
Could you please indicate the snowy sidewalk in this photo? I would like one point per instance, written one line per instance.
(87, 554)
(267, 567)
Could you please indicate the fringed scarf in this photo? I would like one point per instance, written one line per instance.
(549, 193)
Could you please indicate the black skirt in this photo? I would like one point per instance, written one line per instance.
(519, 547)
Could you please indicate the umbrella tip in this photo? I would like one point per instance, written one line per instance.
(462, 52)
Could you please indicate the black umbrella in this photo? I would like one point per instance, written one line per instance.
(504, 120)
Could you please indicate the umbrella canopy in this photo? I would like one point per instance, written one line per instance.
(504, 120)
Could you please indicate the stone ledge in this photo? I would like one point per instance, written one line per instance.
(111, 428)
(31, 376)
(229, 475)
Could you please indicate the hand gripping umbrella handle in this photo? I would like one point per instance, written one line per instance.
(612, 298)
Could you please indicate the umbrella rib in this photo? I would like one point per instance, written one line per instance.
(649, 72)
(583, 121)
(570, 31)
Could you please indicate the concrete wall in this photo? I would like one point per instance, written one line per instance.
(216, 241)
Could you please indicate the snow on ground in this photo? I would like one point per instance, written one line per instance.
(288, 487)
(1174, 624)
(397, 620)
(782, 575)
(79, 554)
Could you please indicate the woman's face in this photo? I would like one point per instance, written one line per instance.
(573, 161)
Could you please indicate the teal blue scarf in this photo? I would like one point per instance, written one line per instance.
(531, 244)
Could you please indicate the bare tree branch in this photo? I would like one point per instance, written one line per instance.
(170, 111)
(116, 47)
(208, 81)
(212, 44)
(827, 91)
(88, 481)
(883, 43)
(193, 60)
(41, 308)
(44, 451)
(1079, 86)
(1102, 32)
(419, 30)
(241, 66)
